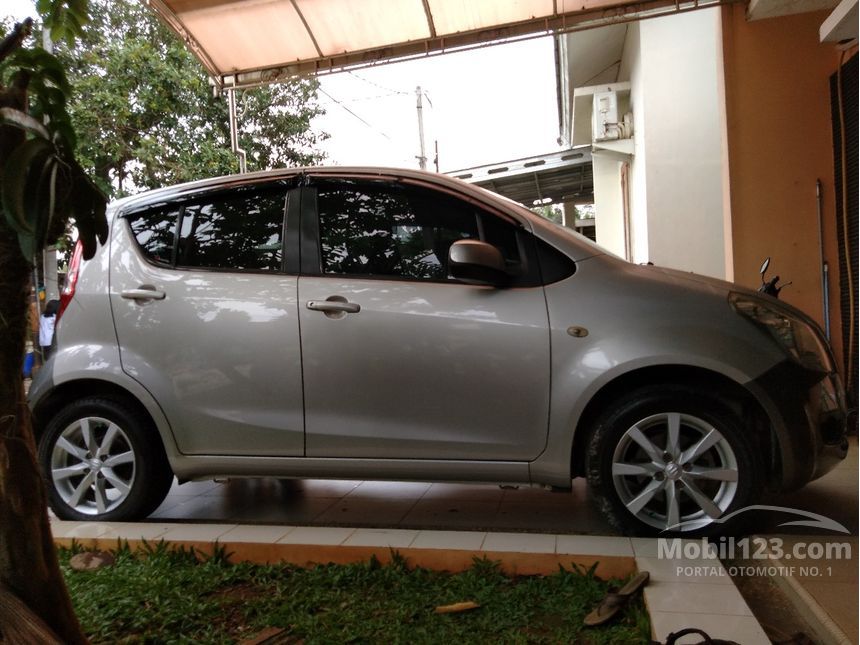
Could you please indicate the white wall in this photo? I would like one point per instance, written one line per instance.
(679, 149)
(679, 205)
(631, 70)
(608, 204)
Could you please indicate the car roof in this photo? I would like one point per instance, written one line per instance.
(154, 196)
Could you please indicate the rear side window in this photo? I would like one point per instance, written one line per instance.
(240, 230)
(155, 232)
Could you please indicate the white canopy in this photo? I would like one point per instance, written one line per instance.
(247, 42)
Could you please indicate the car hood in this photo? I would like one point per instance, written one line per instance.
(714, 284)
(723, 287)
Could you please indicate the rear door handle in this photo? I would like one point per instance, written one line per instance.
(334, 306)
(143, 293)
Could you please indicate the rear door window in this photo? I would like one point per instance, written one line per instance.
(236, 230)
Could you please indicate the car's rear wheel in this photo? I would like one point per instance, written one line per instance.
(102, 461)
(672, 460)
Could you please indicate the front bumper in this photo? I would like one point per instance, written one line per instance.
(809, 418)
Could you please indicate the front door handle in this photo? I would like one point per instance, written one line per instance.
(334, 306)
(143, 294)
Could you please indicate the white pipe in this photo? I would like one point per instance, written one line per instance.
(234, 132)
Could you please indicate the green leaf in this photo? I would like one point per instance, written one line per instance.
(28, 246)
(88, 205)
(45, 194)
(25, 164)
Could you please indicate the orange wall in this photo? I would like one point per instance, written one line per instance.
(779, 142)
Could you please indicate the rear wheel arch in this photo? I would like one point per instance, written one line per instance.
(70, 391)
(730, 392)
(101, 460)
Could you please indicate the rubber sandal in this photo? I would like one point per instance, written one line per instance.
(615, 602)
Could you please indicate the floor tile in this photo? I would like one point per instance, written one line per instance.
(255, 534)
(78, 530)
(519, 543)
(150, 531)
(438, 513)
(683, 570)
(301, 510)
(390, 490)
(366, 511)
(692, 598)
(651, 547)
(320, 487)
(537, 517)
(593, 545)
(740, 629)
(321, 535)
(455, 540)
(394, 538)
(464, 492)
(200, 507)
(196, 532)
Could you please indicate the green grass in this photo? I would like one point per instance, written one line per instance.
(175, 596)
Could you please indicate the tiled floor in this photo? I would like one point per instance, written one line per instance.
(409, 505)
(834, 591)
(417, 505)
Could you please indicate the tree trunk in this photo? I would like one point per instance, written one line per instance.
(28, 560)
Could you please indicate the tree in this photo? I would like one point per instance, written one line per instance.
(552, 212)
(146, 116)
(137, 135)
(42, 186)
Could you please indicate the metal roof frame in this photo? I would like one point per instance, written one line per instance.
(557, 177)
(228, 73)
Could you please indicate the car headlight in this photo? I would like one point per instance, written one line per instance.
(792, 333)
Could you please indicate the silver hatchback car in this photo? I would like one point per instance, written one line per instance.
(389, 324)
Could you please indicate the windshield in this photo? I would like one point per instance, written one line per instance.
(594, 247)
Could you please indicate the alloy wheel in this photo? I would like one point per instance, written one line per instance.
(93, 465)
(675, 471)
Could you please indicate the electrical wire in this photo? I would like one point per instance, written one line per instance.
(355, 115)
(377, 85)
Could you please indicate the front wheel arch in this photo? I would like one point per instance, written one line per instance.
(678, 439)
(730, 392)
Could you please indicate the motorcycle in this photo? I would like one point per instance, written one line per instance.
(770, 287)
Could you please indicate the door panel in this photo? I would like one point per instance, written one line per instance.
(430, 371)
(220, 352)
(418, 366)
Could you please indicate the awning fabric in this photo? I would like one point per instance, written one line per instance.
(248, 42)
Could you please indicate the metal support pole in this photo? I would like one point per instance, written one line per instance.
(49, 255)
(422, 158)
(234, 132)
(825, 278)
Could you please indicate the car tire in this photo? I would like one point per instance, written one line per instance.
(103, 460)
(672, 461)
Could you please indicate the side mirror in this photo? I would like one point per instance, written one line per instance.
(476, 262)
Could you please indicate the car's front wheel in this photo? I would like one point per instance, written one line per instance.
(102, 461)
(672, 460)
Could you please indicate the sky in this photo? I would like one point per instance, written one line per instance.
(482, 106)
